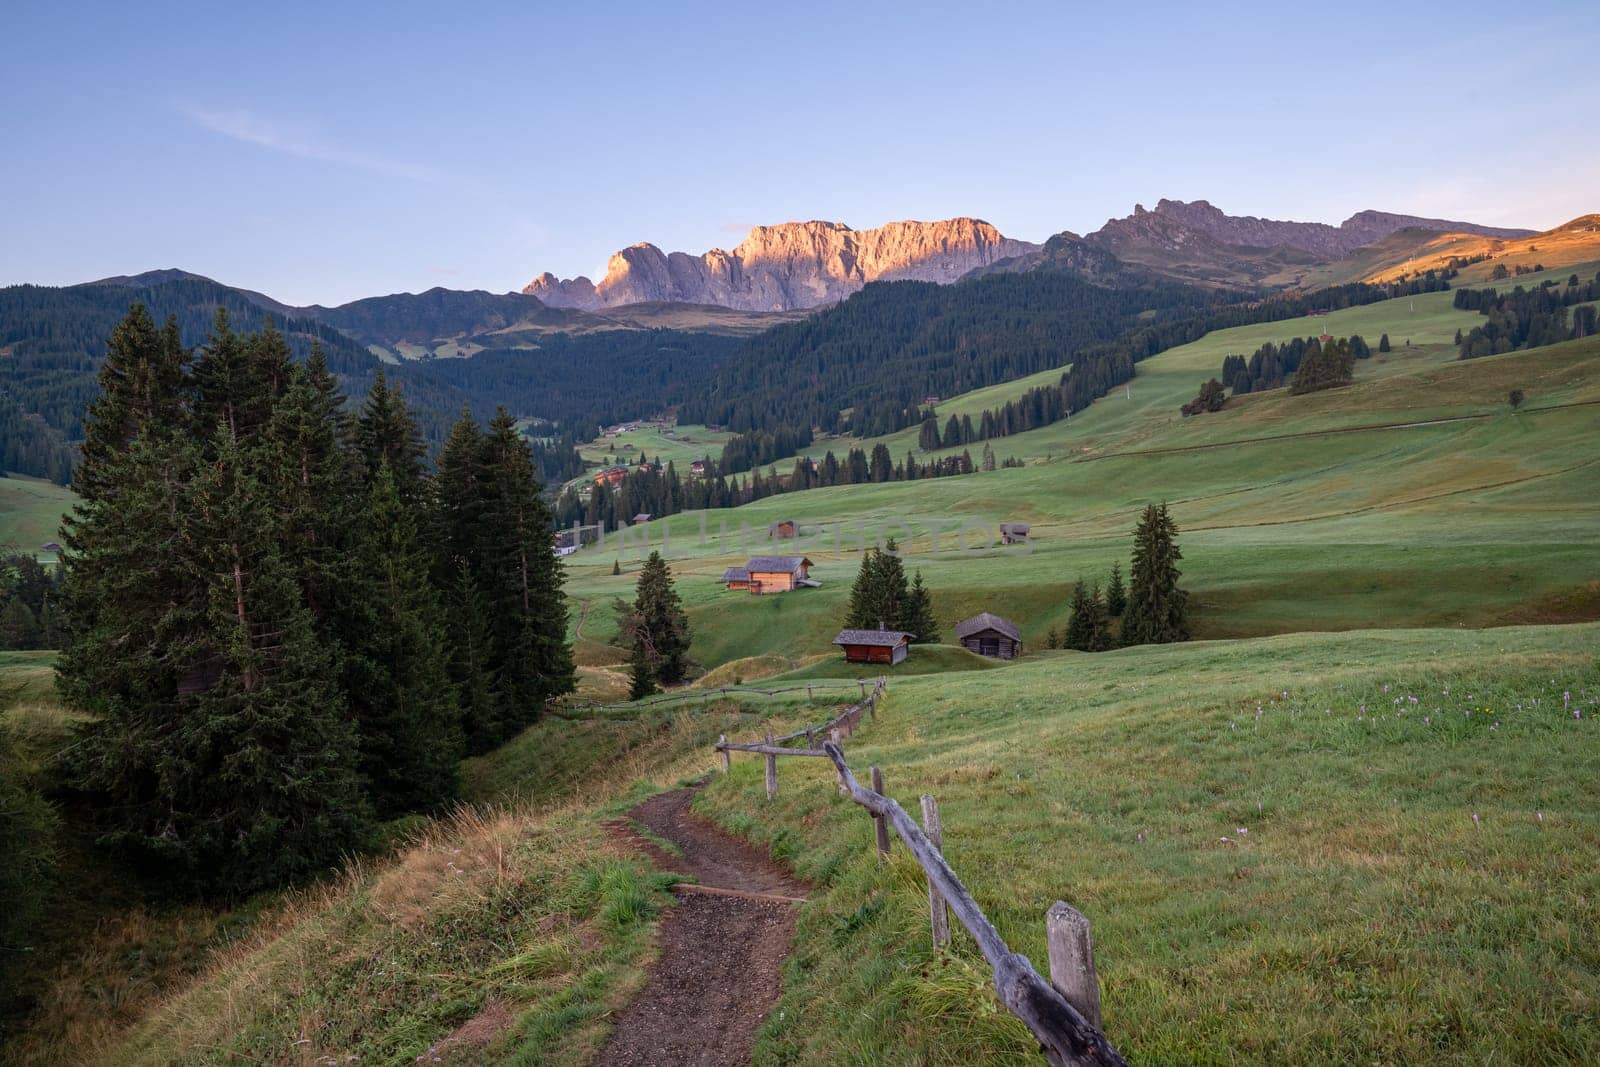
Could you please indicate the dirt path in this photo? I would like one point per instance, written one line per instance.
(721, 962)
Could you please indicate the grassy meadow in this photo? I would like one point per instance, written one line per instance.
(1353, 822)
(1319, 848)
(30, 512)
(1415, 497)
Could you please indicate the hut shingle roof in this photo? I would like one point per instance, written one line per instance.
(984, 621)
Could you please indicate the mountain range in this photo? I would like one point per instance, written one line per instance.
(787, 267)
(802, 265)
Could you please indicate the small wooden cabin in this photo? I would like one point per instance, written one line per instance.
(784, 529)
(643, 516)
(611, 476)
(1014, 533)
(990, 635)
(874, 646)
(779, 574)
(736, 578)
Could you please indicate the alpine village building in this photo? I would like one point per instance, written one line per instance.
(771, 574)
(874, 646)
(990, 635)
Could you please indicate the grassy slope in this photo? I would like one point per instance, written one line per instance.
(30, 511)
(1361, 916)
(1372, 522)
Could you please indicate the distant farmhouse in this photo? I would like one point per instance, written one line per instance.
(874, 646)
(771, 574)
(611, 476)
(697, 469)
(1014, 533)
(570, 540)
(990, 635)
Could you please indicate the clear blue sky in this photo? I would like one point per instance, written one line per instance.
(321, 153)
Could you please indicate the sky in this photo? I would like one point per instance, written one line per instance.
(324, 152)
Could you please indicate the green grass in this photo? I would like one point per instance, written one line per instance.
(1328, 512)
(30, 513)
(1363, 915)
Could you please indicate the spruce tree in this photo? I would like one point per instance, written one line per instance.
(1099, 623)
(458, 513)
(260, 767)
(919, 620)
(1080, 623)
(659, 622)
(142, 382)
(401, 695)
(1116, 593)
(220, 748)
(386, 432)
(520, 578)
(641, 682)
(1157, 610)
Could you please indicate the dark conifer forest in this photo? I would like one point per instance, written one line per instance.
(281, 626)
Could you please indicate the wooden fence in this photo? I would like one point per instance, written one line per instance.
(1064, 1013)
(841, 725)
(718, 691)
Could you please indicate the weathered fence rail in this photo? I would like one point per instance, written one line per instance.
(844, 722)
(708, 693)
(1064, 1013)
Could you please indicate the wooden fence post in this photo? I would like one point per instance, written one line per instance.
(1072, 959)
(863, 686)
(809, 700)
(879, 822)
(724, 753)
(772, 771)
(937, 915)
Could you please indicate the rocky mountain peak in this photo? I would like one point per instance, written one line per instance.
(789, 266)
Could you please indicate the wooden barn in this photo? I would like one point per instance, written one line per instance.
(990, 635)
(771, 574)
(1014, 533)
(779, 574)
(874, 646)
(784, 529)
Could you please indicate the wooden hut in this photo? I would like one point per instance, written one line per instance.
(779, 574)
(990, 635)
(874, 646)
(1014, 533)
(784, 529)
(736, 578)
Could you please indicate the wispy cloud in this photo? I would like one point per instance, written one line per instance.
(303, 143)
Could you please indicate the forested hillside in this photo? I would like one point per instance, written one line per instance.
(52, 341)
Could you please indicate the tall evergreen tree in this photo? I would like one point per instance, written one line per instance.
(1116, 593)
(401, 695)
(919, 620)
(386, 433)
(641, 682)
(220, 749)
(658, 622)
(880, 596)
(142, 383)
(520, 578)
(1157, 610)
(1080, 621)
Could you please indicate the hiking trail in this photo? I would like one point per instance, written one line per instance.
(722, 953)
